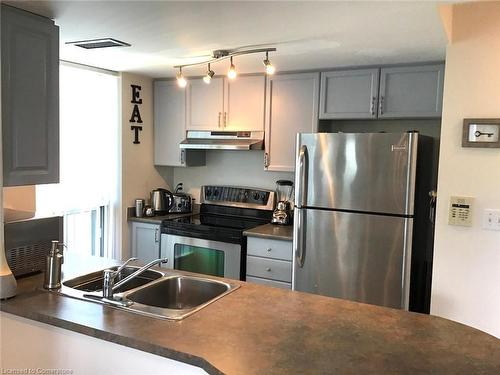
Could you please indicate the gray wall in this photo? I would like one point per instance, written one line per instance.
(430, 127)
(241, 168)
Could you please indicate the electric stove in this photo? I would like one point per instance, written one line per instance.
(212, 241)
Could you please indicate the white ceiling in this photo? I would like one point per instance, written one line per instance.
(307, 34)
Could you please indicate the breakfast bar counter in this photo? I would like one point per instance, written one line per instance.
(262, 330)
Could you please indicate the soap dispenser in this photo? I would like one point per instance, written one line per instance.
(53, 266)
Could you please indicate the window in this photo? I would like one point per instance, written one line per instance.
(87, 193)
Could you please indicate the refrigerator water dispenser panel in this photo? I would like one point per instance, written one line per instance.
(460, 211)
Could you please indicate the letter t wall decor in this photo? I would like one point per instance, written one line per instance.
(136, 114)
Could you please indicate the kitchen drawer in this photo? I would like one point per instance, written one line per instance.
(275, 284)
(273, 269)
(264, 247)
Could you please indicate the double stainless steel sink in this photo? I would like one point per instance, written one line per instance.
(154, 293)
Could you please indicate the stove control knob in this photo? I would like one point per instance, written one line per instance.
(256, 196)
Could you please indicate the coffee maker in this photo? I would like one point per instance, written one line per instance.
(282, 215)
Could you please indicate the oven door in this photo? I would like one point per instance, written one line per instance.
(201, 256)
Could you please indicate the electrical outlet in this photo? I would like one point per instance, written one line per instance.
(491, 219)
(460, 211)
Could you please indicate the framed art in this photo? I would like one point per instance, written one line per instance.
(482, 132)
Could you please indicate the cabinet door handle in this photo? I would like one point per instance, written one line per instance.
(372, 106)
(183, 156)
(225, 119)
(269, 250)
(156, 235)
(268, 269)
(220, 114)
(266, 160)
(381, 106)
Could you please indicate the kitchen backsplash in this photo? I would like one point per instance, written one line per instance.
(240, 168)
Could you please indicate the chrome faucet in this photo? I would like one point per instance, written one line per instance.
(109, 286)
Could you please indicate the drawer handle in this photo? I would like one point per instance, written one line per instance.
(269, 250)
(268, 269)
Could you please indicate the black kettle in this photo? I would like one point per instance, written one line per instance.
(162, 201)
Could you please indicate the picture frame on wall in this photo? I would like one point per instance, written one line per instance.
(481, 132)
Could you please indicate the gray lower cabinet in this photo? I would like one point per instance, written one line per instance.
(145, 241)
(269, 262)
(349, 94)
(30, 98)
(411, 91)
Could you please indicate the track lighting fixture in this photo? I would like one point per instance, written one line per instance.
(209, 75)
(181, 81)
(270, 69)
(231, 74)
(223, 54)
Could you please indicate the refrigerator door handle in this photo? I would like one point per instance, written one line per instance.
(432, 206)
(302, 174)
(406, 271)
(299, 237)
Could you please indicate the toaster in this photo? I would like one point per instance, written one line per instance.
(183, 203)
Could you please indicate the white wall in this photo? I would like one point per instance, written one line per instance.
(466, 274)
(138, 174)
(20, 198)
(239, 168)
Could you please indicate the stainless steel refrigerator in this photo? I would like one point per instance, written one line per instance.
(354, 216)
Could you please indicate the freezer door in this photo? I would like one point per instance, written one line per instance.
(359, 257)
(369, 172)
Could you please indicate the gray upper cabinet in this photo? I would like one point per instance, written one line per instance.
(205, 104)
(170, 127)
(169, 123)
(292, 107)
(30, 98)
(411, 91)
(394, 92)
(349, 94)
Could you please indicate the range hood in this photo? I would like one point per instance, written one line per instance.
(223, 140)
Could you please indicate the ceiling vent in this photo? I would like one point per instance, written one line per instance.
(99, 43)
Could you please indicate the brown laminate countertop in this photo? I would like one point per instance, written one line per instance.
(262, 330)
(272, 231)
(157, 219)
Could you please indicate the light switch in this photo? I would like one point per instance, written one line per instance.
(460, 211)
(491, 219)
